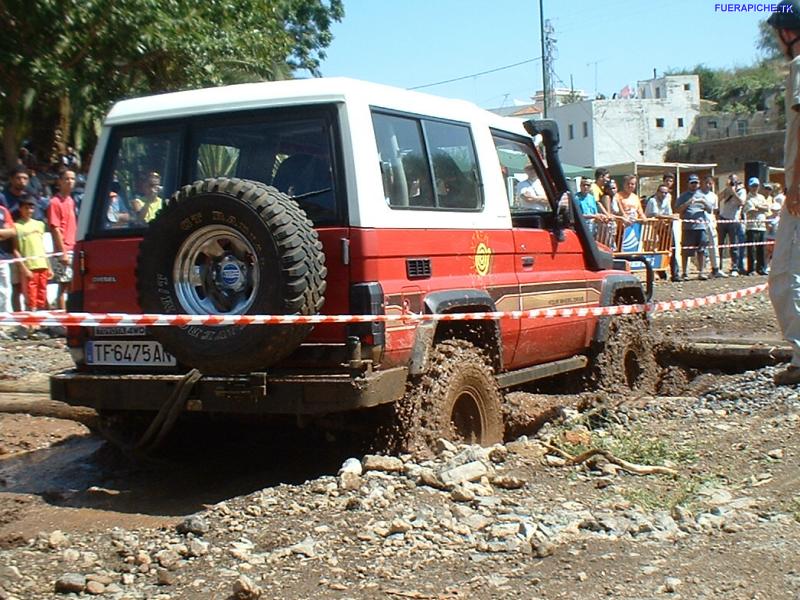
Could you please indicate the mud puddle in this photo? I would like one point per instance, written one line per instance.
(82, 482)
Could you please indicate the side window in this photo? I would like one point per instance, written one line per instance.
(403, 162)
(455, 169)
(426, 164)
(144, 172)
(523, 185)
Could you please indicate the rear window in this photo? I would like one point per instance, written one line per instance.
(146, 165)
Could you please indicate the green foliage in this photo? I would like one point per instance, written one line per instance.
(78, 56)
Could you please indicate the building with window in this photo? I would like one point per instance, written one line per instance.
(636, 128)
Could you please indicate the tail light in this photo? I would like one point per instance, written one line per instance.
(367, 299)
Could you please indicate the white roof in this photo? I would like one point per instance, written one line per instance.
(297, 92)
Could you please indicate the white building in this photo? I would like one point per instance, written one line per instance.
(604, 132)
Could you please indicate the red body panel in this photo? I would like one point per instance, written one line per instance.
(519, 268)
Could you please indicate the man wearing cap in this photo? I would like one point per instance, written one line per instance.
(756, 209)
(784, 275)
(692, 207)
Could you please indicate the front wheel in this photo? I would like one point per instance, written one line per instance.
(456, 399)
(627, 362)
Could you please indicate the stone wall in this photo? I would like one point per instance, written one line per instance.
(730, 154)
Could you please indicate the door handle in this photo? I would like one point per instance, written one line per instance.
(527, 262)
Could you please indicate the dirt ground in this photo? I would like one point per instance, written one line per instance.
(276, 518)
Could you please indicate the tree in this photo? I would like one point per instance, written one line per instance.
(72, 58)
(767, 43)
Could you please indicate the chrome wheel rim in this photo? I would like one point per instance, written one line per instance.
(216, 272)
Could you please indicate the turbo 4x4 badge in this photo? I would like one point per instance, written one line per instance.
(483, 256)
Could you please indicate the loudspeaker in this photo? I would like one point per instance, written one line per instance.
(756, 168)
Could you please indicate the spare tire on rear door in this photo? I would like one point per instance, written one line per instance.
(229, 247)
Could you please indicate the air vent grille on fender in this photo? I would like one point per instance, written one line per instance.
(418, 267)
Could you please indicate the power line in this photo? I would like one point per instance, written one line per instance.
(524, 62)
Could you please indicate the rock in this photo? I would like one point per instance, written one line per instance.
(305, 548)
(542, 548)
(671, 584)
(461, 494)
(165, 577)
(443, 445)
(70, 555)
(554, 461)
(70, 583)
(578, 437)
(194, 524)
(776, 454)
(95, 588)
(429, 477)
(350, 481)
(197, 548)
(167, 558)
(498, 453)
(387, 464)
(351, 465)
(57, 539)
(400, 526)
(245, 589)
(471, 471)
(508, 482)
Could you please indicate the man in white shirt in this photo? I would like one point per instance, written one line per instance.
(530, 192)
(707, 188)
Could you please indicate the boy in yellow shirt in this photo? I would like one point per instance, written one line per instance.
(29, 244)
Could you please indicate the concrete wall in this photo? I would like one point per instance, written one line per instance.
(638, 129)
(580, 149)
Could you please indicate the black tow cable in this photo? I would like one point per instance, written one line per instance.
(165, 420)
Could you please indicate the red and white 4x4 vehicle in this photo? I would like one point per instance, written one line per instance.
(333, 196)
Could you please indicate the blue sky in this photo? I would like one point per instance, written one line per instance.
(410, 43)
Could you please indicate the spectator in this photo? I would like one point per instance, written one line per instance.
(30, 245)
(7, 234)
(601, 178)
(146, 208)
(707, 188)
(628, 202)
(18, 184)
(731, 227)
(756, 209)
(590, 209)
(784, 276)
(660, 207)
(607, 199)
(70, 160)
(668, 179)
(63, 226)
(692, 206)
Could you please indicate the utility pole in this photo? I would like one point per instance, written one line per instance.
(544, 61)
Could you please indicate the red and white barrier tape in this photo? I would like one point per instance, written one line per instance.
(35, 319)
(742, 245)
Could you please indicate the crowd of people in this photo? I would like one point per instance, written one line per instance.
(37, 214)
(742, 219)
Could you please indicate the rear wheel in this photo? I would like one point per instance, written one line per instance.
(456, 399)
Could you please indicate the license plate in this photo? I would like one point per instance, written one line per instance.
(128, 353)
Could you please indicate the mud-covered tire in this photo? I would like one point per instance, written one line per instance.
(456, 399)
(627, 361)
(225, 247)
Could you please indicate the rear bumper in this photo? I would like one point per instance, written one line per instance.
(258, 393)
